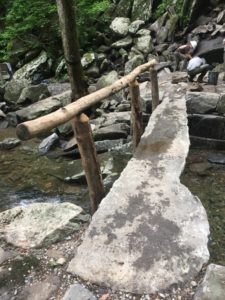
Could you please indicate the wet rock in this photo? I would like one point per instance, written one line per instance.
(213, 285)
(39, 224)
(216, 158)
(202, 169)
(120, 26)
(6, 255)
(78, 292)
(9, 143)
(48, 143)
(38, 109)
(208, 126)
(206, 143)
(33, 93)
(40, 290)
(201, 103)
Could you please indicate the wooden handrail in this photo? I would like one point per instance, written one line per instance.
(30, 129)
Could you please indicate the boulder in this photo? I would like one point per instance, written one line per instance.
(33, 93)
(221, 104)
(208, 126)
(213, 285)
(201, 103)
(9, 143)
(123, 43)
(141, 10)
(14, 88)
(48, 143)
(37, 109)
(211, 50)
(106, 80)
(40, 66)
(120, 26)
(123, 8)
(112, 132)
(78, 292)
(144, 44)
(135, 26)
(39, 224)
(133, 63)
(87, 59)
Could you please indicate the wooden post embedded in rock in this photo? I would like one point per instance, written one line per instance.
(81, 125)
(155, 88)
(136, 113)
(83, 133)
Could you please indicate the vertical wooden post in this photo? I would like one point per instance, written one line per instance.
(155, 88)
(83, 133)
(81, 125)
(136, 113)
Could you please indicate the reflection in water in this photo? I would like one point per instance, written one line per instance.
(209, 186)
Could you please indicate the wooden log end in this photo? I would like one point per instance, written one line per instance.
(22, 132)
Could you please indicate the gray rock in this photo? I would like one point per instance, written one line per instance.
(213, 285)
(123, 43)
(107, 80)
(120, 26)
(38, 109)
(9, 143)
(78, 292)
(144, 32)
(88, 59)
(93, 71)
(149, 228)
(38, 224)
(32, 93)
(14, 88)
(157, 25)
(216, 158)
(48, 143)
(208, 126)
(114, 118)
(221, 104)
(40, 290)
(144, 44)
(112, 132)
(135, 26)
(28, 71)
(201, 103)
(133, 63)
(141, 10)
(6, 255)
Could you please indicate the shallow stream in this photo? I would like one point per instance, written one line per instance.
(27, 177)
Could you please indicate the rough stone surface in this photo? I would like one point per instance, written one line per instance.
(13, 89)
(38, 109)
(40, 290)
(213, 285)
(141, 10)
(78, 292)
(33, 93)
(154, 230)
(120, 26)
(39, 223)
(201, 103)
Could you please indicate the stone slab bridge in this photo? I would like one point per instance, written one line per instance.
(149, 232)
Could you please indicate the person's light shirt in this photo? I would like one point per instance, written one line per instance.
(194, 63)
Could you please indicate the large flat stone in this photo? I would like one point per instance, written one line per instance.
(149, 231)
(39, 224)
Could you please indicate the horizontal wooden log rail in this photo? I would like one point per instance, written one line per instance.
(30, 129)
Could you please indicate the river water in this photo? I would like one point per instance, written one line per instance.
(27, 177)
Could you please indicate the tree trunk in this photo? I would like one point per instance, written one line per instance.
(71, 47)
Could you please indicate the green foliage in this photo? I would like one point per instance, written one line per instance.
(25, 18)
(162, 7)
(35, 23)
(91, 16)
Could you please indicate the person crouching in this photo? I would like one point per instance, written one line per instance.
(196, 66)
